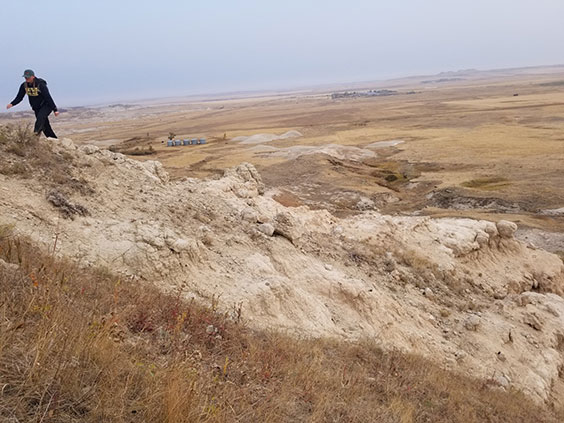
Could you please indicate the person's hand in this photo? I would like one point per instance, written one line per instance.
(9, 106)
(56, 113)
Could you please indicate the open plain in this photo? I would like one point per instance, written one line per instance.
(486, 144)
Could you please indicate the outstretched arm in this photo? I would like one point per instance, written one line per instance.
(18, 98)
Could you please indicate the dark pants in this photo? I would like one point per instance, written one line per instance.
(42, 122)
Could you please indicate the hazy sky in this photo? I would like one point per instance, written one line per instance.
(107, 50)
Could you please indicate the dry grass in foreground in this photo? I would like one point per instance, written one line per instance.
(23, 155)
(81, 345)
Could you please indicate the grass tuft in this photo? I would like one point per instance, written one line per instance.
(487, 184)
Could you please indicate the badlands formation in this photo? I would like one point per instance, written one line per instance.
(462, 292)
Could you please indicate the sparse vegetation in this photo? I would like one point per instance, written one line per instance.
(487, 183)
(135, 151)
(24, 154)
(135, 146)
(68, 209)
(85, 345)
(16, 168)
(394, 173)
(140, 151)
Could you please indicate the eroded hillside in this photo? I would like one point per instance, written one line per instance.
(462, 292)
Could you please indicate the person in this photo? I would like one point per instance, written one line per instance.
(40, 101)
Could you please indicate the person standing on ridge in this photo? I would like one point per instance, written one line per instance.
(40, 101)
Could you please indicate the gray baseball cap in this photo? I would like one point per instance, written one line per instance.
(28, 73)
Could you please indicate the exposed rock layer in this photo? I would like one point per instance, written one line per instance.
(462, 292)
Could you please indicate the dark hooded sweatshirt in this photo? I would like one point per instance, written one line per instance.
(38, 94)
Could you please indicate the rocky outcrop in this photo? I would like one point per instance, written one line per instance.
(463, 292)
(506, 229)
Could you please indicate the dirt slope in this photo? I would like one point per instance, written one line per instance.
(462, 292)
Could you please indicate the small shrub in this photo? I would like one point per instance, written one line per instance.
(17, 168)
(134, 151)
(33, 157)
(140, 151)
(68, 209)
(16, 149)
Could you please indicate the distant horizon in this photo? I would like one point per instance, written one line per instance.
(280, 89)
(106, 51)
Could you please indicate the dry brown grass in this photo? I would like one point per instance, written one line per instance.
(488, 183)
(136, 151)
(83, 345)
(17, 168)
(23, 154)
